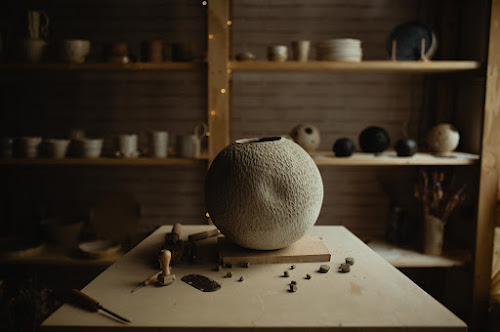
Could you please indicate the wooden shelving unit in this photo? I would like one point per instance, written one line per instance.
(136, 66)
(473, 104)
(391, 159)
(355, 67)
(52, 255)
(409, 258)
(103, 161)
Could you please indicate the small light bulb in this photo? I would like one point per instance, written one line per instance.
(204, 3)
(222, 90)
(208, 216)
(210, 36)
(207, 133)
(212, 112)
(229, 22)
(229, 71)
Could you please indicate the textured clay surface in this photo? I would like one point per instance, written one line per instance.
(264, 194)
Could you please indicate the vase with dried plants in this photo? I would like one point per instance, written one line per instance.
(439, 196)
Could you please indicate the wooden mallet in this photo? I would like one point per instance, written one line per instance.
(165, 278)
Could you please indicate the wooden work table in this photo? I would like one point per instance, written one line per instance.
(374, 296)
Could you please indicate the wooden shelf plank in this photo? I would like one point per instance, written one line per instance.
(362, 67)
(409, 258)
(103, 161)
(136, 66)
(53, 255)
(390, 158)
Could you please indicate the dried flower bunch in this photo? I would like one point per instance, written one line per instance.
(438, 194)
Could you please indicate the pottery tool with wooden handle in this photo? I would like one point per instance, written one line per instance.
(83, 300)
(146, 282)
(203, 235)
(165, 278)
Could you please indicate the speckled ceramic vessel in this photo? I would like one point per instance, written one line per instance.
(307, 136)
(443, 138)
(263, 193)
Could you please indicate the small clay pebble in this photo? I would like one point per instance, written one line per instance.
(293, 282)
(292, 267)
(324, 268)
(344, 268)
(241, 279)
(349, 260)
(229, 275)
(308, 276)
(286, 274)
(229, 265)
(293, 288)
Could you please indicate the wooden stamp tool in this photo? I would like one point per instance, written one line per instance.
(165, 278)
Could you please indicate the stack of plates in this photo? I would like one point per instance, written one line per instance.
(339, 49)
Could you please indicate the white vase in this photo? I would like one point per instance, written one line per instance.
(264, 193)
(433, 235)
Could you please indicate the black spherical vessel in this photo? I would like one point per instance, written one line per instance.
(405, 147)
(374, 139)
(343, 147)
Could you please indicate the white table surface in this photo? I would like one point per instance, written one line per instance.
(374, 296)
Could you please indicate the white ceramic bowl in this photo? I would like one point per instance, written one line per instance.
(75, 50)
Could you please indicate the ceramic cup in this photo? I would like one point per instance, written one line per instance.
(75, 50)
(92, 147)
(300, 50)
(30, 145)
(32, 50)
(152, 51)
(59, 147)
(6, 147)
(159, 144)
(189, 146)
(63, 232)
(277, 53)
(128, 145)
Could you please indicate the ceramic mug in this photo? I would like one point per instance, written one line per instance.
(159, 144)
(32, 50)
(300, 50)
(277, 53)
(30, 145)
(6, 147)
(189, 146)
(92, 147)
(128, 145)
(59, 147)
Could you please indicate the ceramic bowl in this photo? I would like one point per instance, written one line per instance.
(99, 248)
(75, 50)
(63, 232)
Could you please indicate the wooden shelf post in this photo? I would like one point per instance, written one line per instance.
(218, 76)
(488, 181)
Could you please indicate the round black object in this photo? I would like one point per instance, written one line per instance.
(405, 147)
(343, 147)
(374, 139)
(408, 37)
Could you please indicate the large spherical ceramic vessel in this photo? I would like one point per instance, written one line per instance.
(264, 193)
